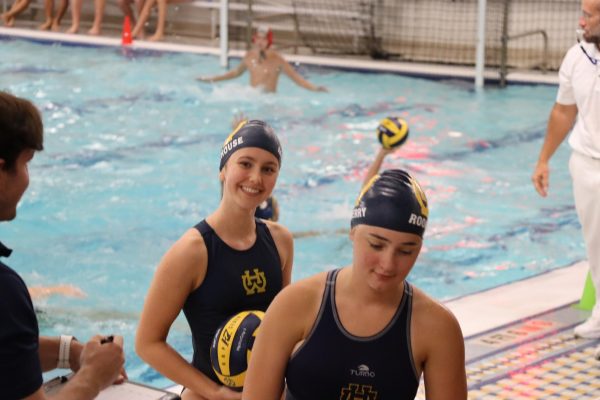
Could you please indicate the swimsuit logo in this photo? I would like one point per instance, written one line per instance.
(362, 370)
(256, 283)
(356, 391)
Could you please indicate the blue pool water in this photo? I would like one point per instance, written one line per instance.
(131, 162)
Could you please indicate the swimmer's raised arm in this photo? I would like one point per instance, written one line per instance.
(376, 165)
(231, 74)
(40, 292)
(298, 79)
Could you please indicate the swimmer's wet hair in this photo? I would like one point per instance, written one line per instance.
(253, 133)
(392, 200)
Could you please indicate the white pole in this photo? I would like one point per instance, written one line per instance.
(224, 34)
(480, 53)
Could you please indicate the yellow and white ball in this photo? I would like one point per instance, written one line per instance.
(232, 346)
(392, 132)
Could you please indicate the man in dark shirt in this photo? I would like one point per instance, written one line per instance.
(23, 353)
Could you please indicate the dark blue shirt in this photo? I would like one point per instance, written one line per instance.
(20, 369)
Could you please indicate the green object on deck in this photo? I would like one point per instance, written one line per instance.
(588, 298)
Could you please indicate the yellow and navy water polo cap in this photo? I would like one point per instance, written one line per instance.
(254, 133)
(392, 200)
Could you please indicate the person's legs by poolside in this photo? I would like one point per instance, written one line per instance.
(49, 11)
(53, 21)
(144, 15)
(62, 9)
(142, 19)
(160, 23)
(585, 173)
(125, 6)
(17, 8)
(75, 16)
(96, 28)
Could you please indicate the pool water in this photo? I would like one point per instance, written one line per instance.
(131, 161)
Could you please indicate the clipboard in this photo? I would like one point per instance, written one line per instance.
(127, 390)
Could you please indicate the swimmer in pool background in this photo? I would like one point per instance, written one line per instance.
(42, 292)
(265, 65)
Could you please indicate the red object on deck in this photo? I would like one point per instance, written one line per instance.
(126, 37)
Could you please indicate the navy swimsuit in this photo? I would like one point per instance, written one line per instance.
(235, 281)
(334, 364)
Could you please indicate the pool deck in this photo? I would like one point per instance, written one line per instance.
(519, 340)
(518, 337)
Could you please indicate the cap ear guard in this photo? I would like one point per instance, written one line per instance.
(266, 32)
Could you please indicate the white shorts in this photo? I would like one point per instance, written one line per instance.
(585, 172)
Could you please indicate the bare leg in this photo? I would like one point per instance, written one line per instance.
(160, 24)
(17, 8)
(98, 16)
(139, 6)
(75, 15)
(144, 15)
(62, 9)
(49, 11)
(125, 6)
(6, 20)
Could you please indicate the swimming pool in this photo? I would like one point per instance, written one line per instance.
(131, 161)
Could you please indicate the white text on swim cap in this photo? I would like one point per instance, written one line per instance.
(231, 145)
(417, 220)
(359, 212)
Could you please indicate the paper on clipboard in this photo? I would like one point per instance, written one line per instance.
(127, 390)
(132, 391)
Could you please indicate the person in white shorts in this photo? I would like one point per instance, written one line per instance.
(577, 109)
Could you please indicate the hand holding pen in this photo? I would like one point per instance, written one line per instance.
(107, 339)
(103, 357)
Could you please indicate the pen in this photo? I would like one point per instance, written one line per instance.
(107, 339)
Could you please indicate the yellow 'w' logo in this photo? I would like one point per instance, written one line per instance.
(255, 283)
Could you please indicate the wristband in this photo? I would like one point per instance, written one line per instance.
(64, 350)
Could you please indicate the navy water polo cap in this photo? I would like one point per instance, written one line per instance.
(393, 200)
(253, 133)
